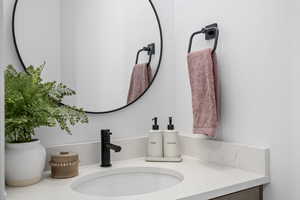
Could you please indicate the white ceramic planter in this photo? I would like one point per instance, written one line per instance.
(24, 163)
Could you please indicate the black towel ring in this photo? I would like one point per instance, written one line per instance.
(211, 32)
(150, 49)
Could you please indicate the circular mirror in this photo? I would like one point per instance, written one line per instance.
(108, 51)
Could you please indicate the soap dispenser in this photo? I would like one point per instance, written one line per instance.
(171, 142)
(155, 141)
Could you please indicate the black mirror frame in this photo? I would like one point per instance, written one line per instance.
(117, 109)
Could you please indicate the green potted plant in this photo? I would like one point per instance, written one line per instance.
(31, 103)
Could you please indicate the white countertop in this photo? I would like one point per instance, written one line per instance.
(202, 181)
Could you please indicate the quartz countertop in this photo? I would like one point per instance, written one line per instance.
(202, 181)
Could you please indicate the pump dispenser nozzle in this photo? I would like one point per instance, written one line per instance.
(170, 125)
(155, 126)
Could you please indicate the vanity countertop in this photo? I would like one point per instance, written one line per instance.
(202, 181)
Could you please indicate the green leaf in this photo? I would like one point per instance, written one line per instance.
(31, 103)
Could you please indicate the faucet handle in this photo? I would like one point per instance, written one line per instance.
(106, 132)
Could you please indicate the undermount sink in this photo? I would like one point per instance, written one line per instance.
(127, 181)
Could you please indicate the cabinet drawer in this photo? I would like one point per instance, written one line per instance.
(250, 194)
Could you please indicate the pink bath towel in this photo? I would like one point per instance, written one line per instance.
(202, 71)
(141, 78)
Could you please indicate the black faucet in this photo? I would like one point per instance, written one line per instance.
(106, 146)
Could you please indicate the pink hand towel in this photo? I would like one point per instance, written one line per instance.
(202, 71)
(141, 78)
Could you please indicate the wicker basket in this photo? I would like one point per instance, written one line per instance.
(64, 165)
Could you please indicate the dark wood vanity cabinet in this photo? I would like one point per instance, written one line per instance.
(250, 194)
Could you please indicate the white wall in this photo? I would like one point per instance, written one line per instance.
(295, 106)
(38, 45)
(132, 121)
(255, 69)
(2, 180)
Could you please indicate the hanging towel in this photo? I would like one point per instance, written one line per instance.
(141, 78)
(202, 68)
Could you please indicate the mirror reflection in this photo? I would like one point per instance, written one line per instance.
(108, 51)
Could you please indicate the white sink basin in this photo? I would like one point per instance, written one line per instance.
(127, 181)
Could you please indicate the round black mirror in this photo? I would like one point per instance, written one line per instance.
(92, 46)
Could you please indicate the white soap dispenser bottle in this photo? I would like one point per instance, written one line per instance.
(171, 142)
(155, 141)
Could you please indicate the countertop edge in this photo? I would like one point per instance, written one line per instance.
(229, 190)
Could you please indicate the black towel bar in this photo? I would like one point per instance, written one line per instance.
(211, 32)
(150, 49)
